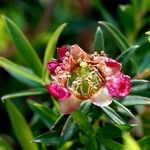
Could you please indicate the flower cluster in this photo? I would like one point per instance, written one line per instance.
(78, 76)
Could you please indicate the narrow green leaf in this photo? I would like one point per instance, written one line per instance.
(49, 138)
(4, 145)
(29, 92)
(50, 50)
(116, 34)
(111, 144)
(99, 40)
(135, 100)
(19, 70)
(144, 142)
(20, 127)
(68, 130)
(104, 132)
(113, 115)
(126, 127)
(126, 55)
(140, 85)
(130, 143)
(81, 120)
(70, 127)
(24, 47)
(45, 113)
(122, 109)
(61, 120)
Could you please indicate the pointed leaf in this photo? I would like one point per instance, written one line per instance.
(126, 55)
(122, 109)
(19, 70)
(61, 120)
(49, 138)
(81, 120)
(99, 40)
(126, 127)
(20, 127)
(70, 127)
(29, 92)
(111, 144)
(24, 47)
(113, 115)
(105, 132)
(116, 34)
(68, 130)
(51, 46)
(140, 85)
(45, 113)
(135, 100)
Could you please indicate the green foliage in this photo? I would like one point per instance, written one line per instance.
(130, 143)
(24, 47)
(89, 127)
(20, 71)
(44, 113)
(50, 50)
(30, 92)
(20, 127)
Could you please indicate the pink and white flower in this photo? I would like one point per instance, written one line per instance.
(78, 76)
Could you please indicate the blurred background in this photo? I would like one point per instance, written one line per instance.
(38, 19)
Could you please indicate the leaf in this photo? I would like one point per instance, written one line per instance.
(126, 55)
(29, 92)
(19, 70)
(49, 138)
(116, 35)
(68, 130)
(99, 40)
(81, 120)
(113, 115)
(61, 120)
(126, 19)
(45, 114)
(3, 145)
(70, 127)
(140, 85)
(126, 127)
(20, 127)
(50, 50)
(130, 143)
(122, 109)
(104, 132)
(24, 47)
(111, 144)
(144, 142)
(135, 100)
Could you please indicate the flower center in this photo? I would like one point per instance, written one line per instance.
(84, 81)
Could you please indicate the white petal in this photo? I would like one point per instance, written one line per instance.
(70, 104)
(102, 97)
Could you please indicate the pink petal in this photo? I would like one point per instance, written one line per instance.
(70, 104)
(118, 85)
(113, 64)
(52, 65)
(62, 52)
(59, 92)
(102, 97)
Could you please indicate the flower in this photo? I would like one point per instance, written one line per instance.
(78, 76)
